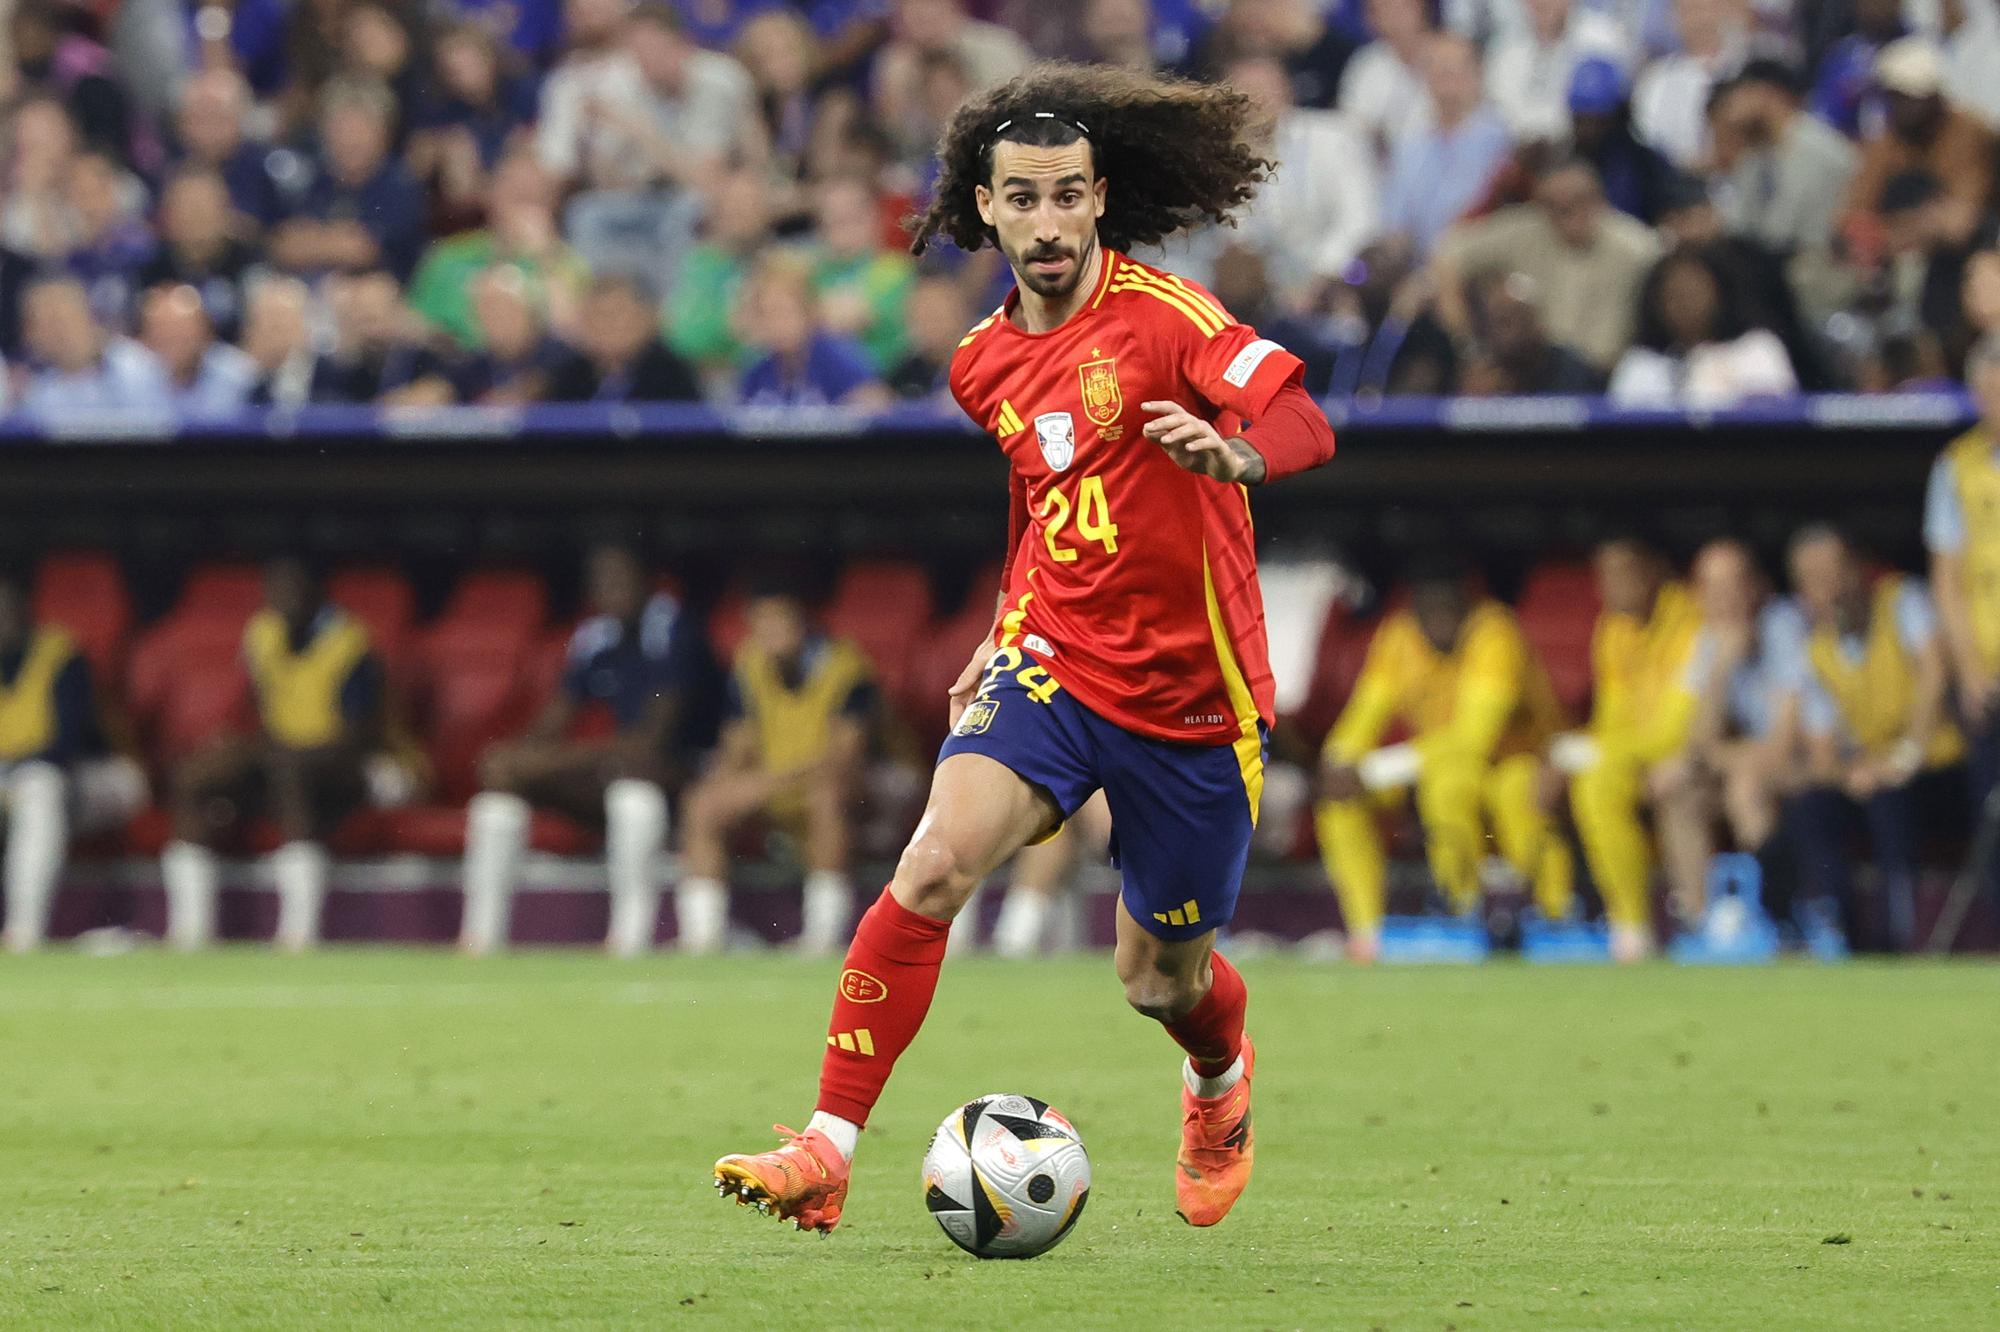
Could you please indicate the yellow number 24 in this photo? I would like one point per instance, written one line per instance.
(1093, 518)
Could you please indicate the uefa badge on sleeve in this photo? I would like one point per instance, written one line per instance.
(1056, 432)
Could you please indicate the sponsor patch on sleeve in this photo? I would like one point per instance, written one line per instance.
(1247, 361)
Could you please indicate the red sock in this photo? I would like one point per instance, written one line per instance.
(885, 990)
(1212, 1031)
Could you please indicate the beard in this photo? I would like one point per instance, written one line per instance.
(1050, 287)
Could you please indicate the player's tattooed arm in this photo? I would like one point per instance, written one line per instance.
(1196, 445)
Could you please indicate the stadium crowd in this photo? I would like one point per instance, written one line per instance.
(1679, 202)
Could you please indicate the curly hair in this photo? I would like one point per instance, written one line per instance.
(1174, 152)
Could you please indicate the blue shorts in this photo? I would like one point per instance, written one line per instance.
(1181, 815)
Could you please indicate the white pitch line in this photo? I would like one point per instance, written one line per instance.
(365, 995)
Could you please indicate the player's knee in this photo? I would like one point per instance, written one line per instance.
(1159, 995)
(933, 878)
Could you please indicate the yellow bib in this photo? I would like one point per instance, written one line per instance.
(28, 705)
(1875, 694)
(794, 725)
(1977, 477)
(298, 693)
(1429, 682)
(1640, 663)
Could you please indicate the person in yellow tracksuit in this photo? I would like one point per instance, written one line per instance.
(1962, 532)
(800, 710)
(1880, 748)
(321, 717)
(1643, 708)
(1458, 673)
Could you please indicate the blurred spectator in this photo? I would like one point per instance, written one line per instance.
(1878, 738)
(362, 208)
(197, 247)
(109, 241)
(642, 658)
(737, 225)
(1586, 260)
(520, 232)
(803, 363)
(637, 103)
(516, 357)
(34, 216)
(862, 285)
(1922, 131)
(469, 118)
(1843, 85)
(1962, 534)
(1927, 263)
(639, 109)
(233, 35)
(1119, 32)
(1979, 306)
(1386, 85)
(380, 43)
(52, 58)
(1971, 54)
(780, 52)
(1529, 73)
(1513, 353)
(1670, 99)
(1633, 174)
(1319, 207)
(75, 363)
(938, 318)
(1384, 329)
(1315, 53)
(209, 125)
(1455, 671)
(532, 29)
(1695, 349)
(316, 684)
(1241, 281)
(375, 358)
(59, 775)
(1641, 711)
(278, 336)
(619, 356)
(795, 734)
(205, 377)
(1437, 173)
(987, 53)
(1782, 172)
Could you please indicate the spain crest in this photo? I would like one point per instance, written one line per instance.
(1102, 400)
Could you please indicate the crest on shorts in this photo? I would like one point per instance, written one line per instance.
(1102, 399)
(977, 717)
(1056, 433)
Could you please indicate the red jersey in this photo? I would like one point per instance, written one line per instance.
(1134, 581)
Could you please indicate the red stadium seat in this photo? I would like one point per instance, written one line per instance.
(474, 692)
(378, 596)
(85, 593)
(500, 597)
(185, 687)
(884, 607)
(1558, 610)
(726, 627)
(1343, 647)
(223, 591)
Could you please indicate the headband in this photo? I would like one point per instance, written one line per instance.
(1060, 119)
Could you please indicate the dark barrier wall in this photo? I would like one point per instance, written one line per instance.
(1509, 477)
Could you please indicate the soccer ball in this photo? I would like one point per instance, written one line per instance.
(1006, 1177)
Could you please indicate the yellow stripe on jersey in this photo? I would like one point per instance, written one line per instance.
(1136, 279)
(1112, 263)
(1249, 745)
(1010, 420)
(1202, 298)
(979, 328)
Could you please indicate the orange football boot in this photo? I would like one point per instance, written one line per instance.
(1216, 1149)
(804, 1181)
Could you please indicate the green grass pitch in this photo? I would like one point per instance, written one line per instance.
(390, 1138)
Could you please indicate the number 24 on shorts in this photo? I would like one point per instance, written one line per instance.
(1032, 676)
(1092, 512)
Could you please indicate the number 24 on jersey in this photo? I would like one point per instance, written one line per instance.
(1090, 509)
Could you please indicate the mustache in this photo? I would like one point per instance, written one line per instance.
(1052, 251)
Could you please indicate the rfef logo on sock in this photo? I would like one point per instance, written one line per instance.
(858, 987)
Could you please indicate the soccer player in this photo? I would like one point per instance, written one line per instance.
(642, 659)
(56, 774)
(1128, 653)
(801, 706)
(321, 718)
(1641, 663)
(1457, 671)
